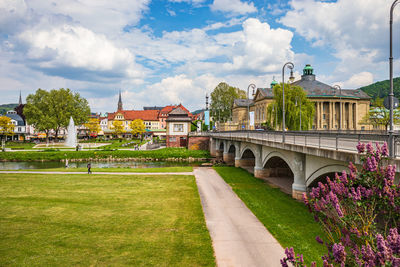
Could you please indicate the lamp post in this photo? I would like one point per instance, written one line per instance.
(340, 104)
(208, 127)
(290, 65)
(252, 85)
(391, 141)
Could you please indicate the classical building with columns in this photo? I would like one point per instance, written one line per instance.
(328, 101)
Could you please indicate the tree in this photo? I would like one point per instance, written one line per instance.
(37, 112)
(118, 127)
(137, 127)
(93, 125)
(295, 97)
(64, 104)
(378, 116)
(6, 127)
(52, 110)
(222, 100)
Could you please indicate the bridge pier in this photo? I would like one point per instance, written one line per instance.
(229, 158)
(213, 147)
(299, 172)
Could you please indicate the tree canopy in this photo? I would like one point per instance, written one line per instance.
(137, 126)
(381, 89)
(295, 97)
(379, 117)
(93, 125)
(6, 127)
(118, 127)
(52, 110)
(222, 100)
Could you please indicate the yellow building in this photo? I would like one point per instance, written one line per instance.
(328, 100)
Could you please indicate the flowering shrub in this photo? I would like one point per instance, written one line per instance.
(359, 212)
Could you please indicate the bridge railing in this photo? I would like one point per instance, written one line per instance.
(341, 141)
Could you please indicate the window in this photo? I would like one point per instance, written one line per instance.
(172, 139)
(363, 128)
(19, 129)
(323, 116)
(325, 126)
(178, 127)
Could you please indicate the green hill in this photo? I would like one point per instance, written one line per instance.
(381, 89)
(6, 107)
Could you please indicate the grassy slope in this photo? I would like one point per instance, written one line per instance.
(62, 220)
(287, 219)
(58, 155)
(161, 170)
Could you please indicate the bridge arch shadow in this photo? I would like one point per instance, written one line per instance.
(229, 157)
(321, 174)
(278, 173)
(247, 160)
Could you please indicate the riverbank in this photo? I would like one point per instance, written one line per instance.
(164, 154)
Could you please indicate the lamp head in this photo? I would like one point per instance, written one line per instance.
(291, 78)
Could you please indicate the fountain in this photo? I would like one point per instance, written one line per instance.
(71, 138)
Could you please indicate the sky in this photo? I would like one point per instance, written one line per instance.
(165, 52)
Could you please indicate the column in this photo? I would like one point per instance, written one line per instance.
(330, 126)
(259, 170)
(351, 124)
(299, 184)
(212, 147)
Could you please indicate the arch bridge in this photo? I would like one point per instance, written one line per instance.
(298, 161)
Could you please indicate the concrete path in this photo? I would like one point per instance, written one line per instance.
(107, 173)
(239, 238)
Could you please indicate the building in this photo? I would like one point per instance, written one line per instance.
(178, 127)
(19, 126)
(327, 99)
(167, 109)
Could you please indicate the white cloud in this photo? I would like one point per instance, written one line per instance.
(235, 7)
(262, 50)
(358, 80)
(100, 16)
(68, 46)
(356, 30)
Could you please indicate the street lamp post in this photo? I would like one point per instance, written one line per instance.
(290, 65)
(340, 105)
(391, 141)
(248, 104)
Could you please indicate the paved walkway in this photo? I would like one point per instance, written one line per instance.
(110, 173)
(239, 238)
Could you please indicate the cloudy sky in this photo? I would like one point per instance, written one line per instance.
(164, 52)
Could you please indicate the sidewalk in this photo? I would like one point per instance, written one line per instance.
(239, 238)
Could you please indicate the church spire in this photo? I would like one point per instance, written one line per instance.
(20, 98)
(120, 101)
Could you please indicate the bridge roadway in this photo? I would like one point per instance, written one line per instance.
(303, 157)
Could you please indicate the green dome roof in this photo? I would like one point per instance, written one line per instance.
(273, 83)
(308, 70)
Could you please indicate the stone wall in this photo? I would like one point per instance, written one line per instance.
(175, 140)
(199, 143)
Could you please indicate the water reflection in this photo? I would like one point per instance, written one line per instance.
(120, 164)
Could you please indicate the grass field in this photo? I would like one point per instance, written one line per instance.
(101, 154)
(65, 220)
(161, 170)
(287, 219)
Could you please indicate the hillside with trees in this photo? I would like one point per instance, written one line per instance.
(381, 89)
(6, 107)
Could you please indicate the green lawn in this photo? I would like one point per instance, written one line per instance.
(287, 219)
(161, 170)
(19, 145)
(101, 154)
(67, 220)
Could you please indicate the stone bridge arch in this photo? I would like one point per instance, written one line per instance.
(230, 152)
(320, 174)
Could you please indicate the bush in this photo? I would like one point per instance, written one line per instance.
(360, 213)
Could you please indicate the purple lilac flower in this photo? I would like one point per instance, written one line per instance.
(390, 172)
(319, 240)
(339, 253)
(289, 254)
(394, 240)
(370, 148)
(385, 151)
(384, 252)
(360, 147)
(368, 255)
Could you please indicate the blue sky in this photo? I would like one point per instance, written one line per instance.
(176, 51)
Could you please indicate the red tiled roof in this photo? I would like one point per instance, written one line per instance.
(146, 115)
(164, 112)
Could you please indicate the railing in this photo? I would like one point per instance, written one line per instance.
(331, 140)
